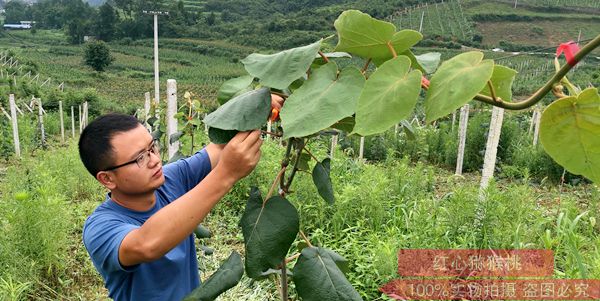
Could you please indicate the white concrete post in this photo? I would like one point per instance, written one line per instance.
(80, 121)
(5, 113)
(171, 120)
(156, 74)
(85, 114)
(15, 125)
(361, 150)
(334, 140)
(62, 122)
(491, 148)
(269, 126)
(72, 122)
(146, 108)
(536, 131)
(462, 137)
(41, 120)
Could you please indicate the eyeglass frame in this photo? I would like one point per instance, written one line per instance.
(154, 148)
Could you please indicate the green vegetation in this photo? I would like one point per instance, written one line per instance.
(404, 197)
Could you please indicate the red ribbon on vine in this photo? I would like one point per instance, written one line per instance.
(570, 49)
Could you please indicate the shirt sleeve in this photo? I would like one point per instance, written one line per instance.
(102, 237)
(183, 175)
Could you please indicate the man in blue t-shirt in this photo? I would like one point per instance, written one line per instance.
(140, 238)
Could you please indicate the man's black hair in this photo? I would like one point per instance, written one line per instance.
(95, 149)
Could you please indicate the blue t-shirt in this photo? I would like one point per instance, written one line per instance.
(171, 277)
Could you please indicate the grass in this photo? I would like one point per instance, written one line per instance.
(380, 208)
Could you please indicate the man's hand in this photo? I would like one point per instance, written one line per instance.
(240, 155)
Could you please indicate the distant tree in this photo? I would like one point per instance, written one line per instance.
(16, 11)
(97, 55)
(105, 25)
(211, 19)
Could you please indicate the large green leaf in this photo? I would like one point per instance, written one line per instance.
(502, 79)
(248, 111)
(389, 96)
(570, 133)
(429, 61)
(279, 70)
(231, 87)
(227, 276)
(269, 232)
(318, 277)
(219, 136)
(324, 99)
(456, 82)
(346, 124)
(367, 37)
(322, 180)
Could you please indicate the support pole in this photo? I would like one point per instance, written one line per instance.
(72, 122)
(15, 125)
(462, 137)
(62, 122)
(491, 148)
(171, 120)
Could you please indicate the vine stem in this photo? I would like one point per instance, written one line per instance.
(284, 284)
(305, 239)
(287, 186)
(325, 58)
(311, 154)
(293, 257)
(364, 69)
(539, 94)
(279, 175)
(392, 50)
(271, 133)
(492, 90)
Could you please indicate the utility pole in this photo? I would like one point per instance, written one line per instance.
(156, 80)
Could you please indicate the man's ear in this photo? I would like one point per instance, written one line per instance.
(107, 179)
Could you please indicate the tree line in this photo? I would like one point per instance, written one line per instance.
(259, 23)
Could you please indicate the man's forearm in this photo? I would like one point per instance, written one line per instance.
(173, 223)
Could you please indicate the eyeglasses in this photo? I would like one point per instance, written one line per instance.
(142, 159)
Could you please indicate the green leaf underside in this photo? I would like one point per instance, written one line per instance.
(279, 70)
(245, 112)
(570, 133)
(429, 61)
(456, 82)
(346, 124)
(219, 136)
(324, 99)
(362, 35)
(269, 232)
(231, 87)
(389, 96)
(322, 180)
(318, 277)
(227, 276)
(502, 79)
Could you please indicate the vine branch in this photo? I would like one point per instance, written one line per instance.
(305, 239)
(325, 58)
(492, 90)
(271, 133)
(311, 154)
(392, 50)
(539, 94)
(279, 175)
(364, 69)
(286, 188)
